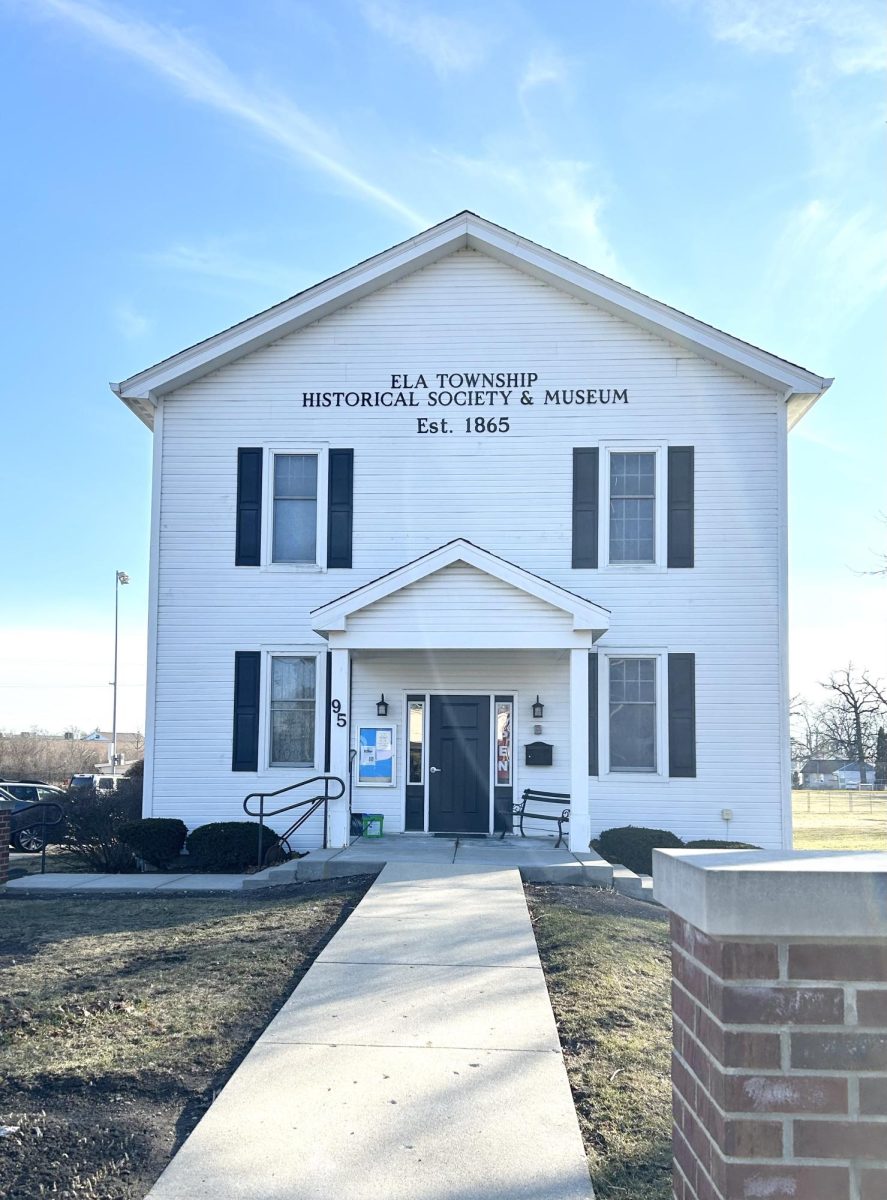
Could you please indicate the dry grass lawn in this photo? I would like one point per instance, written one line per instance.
(124, 1016)
(606, 962)
(839, 821)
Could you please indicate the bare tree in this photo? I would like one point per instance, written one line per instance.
(807, 737)
(850, 717)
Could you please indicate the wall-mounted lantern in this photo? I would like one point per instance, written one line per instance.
(538, 707)
(382, 706)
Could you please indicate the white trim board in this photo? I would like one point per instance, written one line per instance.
(466, 230)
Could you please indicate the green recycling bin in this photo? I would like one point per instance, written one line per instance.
(372, 825)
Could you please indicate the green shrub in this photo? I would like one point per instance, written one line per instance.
(228, 845)
(633, 846)
(157, 840)
(94, 821)
(714, 844)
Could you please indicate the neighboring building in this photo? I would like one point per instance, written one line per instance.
(130, 748)
(821, 772)
(850, 774)
(459, 477)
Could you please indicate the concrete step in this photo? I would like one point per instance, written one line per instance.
(627, 883)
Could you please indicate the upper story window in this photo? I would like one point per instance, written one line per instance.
(632, 507)
(294, 517)
(292, 710)
(632, 693)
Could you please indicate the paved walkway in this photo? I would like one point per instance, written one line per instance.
(536, 857)
(417, 1060)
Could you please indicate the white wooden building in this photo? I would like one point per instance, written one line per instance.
(465, 476)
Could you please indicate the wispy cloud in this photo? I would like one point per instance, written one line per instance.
(203, 77)
(848, 35)
(552, 195)
(546, 67)
(216, 259)
(132, 324)
(449, 44)
(840, 256)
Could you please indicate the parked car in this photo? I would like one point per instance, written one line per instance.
(26, 831)
(100, 783)
(34, 790)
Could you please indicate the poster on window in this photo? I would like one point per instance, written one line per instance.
(375, 755)
(503, 743)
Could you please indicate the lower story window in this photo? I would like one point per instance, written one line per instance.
(633, 714)
(293, 692)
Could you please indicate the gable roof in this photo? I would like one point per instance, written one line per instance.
(822, 766)
(466, 230)
(586, 615)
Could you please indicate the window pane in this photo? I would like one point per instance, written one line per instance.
(294, 537)
(416, 730)
(293, 682)
(292, 733)
(295, 476)
(295, 531)
(292, 678)
(503, 743)
(633, 508)
(632, 714)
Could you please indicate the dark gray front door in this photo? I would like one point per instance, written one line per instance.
(459, 765)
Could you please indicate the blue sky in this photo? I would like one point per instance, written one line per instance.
(174, 167)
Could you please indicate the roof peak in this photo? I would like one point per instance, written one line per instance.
(467, 230)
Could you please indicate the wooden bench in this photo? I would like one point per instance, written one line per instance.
(528, 808)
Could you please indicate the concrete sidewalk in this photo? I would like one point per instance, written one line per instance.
(535, 857)
(417, 1060)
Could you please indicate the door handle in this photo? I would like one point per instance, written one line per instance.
(434, 770)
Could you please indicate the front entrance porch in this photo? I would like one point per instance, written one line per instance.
(434, 683)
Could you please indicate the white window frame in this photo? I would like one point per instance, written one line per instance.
(661, 658)
(320, 451)
(277, 651)
(660, 525)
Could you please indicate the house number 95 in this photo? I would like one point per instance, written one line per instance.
(341, 716)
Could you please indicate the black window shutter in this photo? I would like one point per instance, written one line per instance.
(340, 508)
(592, 715)
(682, 716)
(247, 552)
(585, 507)
(680, 506)
(245, 749)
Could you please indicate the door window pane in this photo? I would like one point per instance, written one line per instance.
(503, 743)
(633, 714)
(293, 682)
(632, 508)
(416, 741)
(294, 536)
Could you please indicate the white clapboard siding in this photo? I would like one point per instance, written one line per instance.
(507, 492)
(459, 600)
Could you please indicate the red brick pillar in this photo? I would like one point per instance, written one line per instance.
(779, 1069)
(4, 846)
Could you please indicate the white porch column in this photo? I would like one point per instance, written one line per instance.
(339, 701)
(580, 825)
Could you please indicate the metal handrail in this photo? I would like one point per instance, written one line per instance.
(44, 822)
(314, 802)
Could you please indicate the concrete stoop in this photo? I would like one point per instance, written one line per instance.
(584, 870)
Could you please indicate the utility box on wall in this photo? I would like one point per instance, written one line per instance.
(538, 754)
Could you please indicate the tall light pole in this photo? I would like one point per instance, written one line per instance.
(120, 580)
